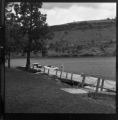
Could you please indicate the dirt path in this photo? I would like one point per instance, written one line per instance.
(31, 93)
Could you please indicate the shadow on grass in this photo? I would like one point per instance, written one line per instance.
(109, 95)
(29, 70)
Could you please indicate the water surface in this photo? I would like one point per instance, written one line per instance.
(100, 66)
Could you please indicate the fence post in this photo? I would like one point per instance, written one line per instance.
(60, 73)
(97, 86)
(66, 75)
(48, 71)
(72, 78)
(83, 80)
(56, 72)
(102, 84)
(44, 69)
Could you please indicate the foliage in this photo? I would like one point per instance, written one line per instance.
(12, 32)
(33, 25)
(76, 41)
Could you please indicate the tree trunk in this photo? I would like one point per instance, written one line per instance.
(28, 60)
(9, 56)
(29, 42)
(28, 53)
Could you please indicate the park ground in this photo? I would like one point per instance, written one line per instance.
(38, 93)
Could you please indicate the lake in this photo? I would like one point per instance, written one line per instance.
(100, 66)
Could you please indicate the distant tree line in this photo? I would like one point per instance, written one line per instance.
(98, 45)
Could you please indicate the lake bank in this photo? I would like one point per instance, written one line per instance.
(102, 66)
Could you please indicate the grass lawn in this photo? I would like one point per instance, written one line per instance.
(32, 93)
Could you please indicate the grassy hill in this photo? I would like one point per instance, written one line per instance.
(86, 38)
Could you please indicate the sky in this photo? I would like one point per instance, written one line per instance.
(61, 13)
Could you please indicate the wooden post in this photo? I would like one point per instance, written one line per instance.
(83, 80)
(72, 78)
(48, 71)
(61, 74)
(66, 75)
(62, 67)
(44, 69)
(97, 86)
(102, 84)
(56, 72)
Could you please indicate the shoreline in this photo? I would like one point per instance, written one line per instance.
(59, 57)
(104, 67)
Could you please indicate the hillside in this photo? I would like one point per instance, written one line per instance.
(87, 38)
